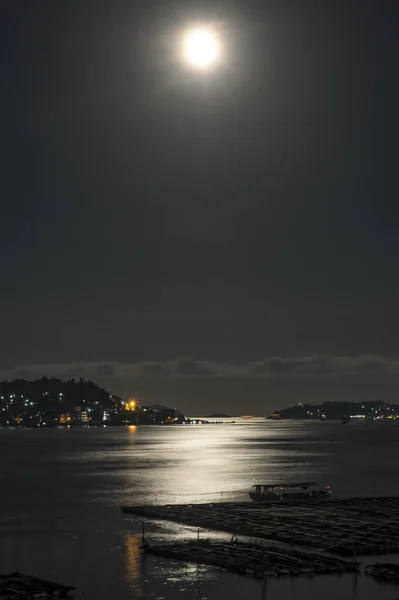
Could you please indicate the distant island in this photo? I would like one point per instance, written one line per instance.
(49, 402)
(340, 410)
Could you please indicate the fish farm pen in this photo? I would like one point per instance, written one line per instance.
(347, 527)
(254, 560)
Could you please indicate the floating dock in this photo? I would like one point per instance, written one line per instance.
(254, 560)
(18, 586)
(346, 527)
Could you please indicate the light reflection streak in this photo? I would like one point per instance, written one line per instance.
(132, 544)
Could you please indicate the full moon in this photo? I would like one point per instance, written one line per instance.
(201, 48)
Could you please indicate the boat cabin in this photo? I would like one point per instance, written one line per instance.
(275, 491)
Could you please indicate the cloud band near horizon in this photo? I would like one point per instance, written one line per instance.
(316, 365)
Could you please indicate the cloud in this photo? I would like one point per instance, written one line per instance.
(152, 369)
(187, 367)
(316, 365)
(107, 369)
(325, 365)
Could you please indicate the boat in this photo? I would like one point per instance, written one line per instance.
(384, 571)
(272, 492)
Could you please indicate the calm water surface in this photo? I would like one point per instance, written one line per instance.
(62, 489)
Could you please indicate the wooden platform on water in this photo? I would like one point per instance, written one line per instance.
(344, 526)
(17, 586)
(252, 559)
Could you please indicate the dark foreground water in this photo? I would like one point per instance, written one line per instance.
(61, 491)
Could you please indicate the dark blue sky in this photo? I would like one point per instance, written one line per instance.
(150, 212)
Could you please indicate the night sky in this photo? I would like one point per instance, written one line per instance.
(219, 241)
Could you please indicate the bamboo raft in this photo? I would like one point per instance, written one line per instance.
(17, 586)
(252, 559)
(343, 526)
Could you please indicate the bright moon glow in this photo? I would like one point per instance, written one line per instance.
(201, 48)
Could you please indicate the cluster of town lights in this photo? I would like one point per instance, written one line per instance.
(131, 405)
